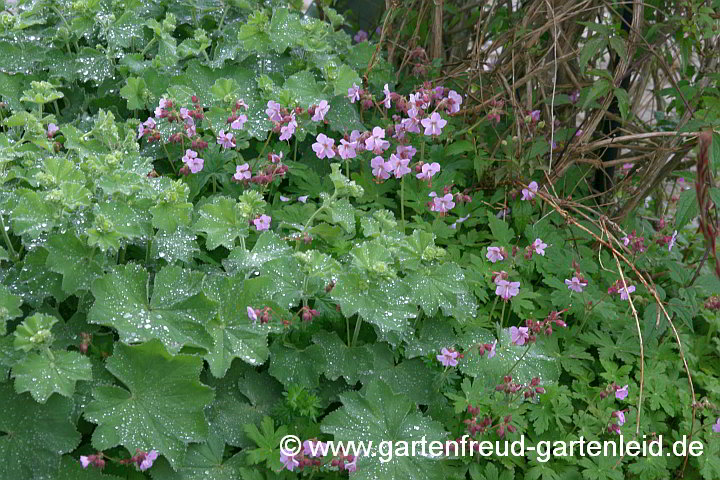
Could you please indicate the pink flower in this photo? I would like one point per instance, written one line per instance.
(351, 466)
(519, 335)
(284, 199)
(448, 358)
(441, 204)
(495, 254)
(252, 315)
(302, 199)
(428, 170)
(491, 352)
(147, 462)
(458, 221)
(455, 100)
(671, 244)
(576, 285)
(535, 115)
(320, 111)
(276, 158)
(627, 166)
(376, 142)
(621, 393)
(84, 461)
(506, 290)
(242, 172)
(360, 36)
(185, 114)
(386, 101)
(225, 140)
(620, 415)
(323, 147)
(398, 166)
(239, 122)
(716, 426)
(380, 169)
(146, 127)
(347, 149)
(289, 461)
(190, 128)
(273, 111)
(52, 130)
(625, 292)
(412, 124)
(434, 124)
(354, 93)
(287, 131)
(529, 193)
(315, 448)
(262, 223)
(405, 151)
(160, 111)
(194, 163)
(539, 246)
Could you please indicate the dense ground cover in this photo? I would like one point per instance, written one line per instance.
(227, 222)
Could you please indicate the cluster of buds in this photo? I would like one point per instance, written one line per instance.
(713, 303)
(481, 426)
(635, 243)
(486, 347)
(307, 313)
(143, 460)
(346, 462)
(420, 61)
(85, 343)
(96, 460)
(269, 173)
(262, 314)
(545, 326)
(496, 108)
(529, 391)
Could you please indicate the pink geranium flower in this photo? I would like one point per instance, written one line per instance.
(428, 170)
(386, 101)
(441, 204)
(354, 93)
(376, 142)
(398, 166)
(347, 149)
(495, 254)
(194, 163)
(539, 247)
(455, 100)
(529, 193)
(576, 285)
(323, 147)
(225, 140)
(434, 124)
(239, 122)
(380, 169)
(506, 290)
(320, 111)
(262, 223)
(448, 358)
(621, 393)
(273, 111)
(519, 335)
(242, 172)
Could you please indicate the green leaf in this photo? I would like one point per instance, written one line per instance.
(501, 232)
(42, 375)
(203, 461)
(381, 415)
(591, 48)
(178, 245)
(9, 307)
(623, 102)
(234, 334)
(442, 286)
(599, 88)
(33, 215)
(618, 44)
(269, 246)
(341, 360)
(34, 332)
(285, 30)
(687, 208)
(33, 436)
(222, 222)
(162, 407)
(78, 263)
(341, 212)
(345, 79)
(175, 314)
(381, 302)
(343, 116)
(135, 92)
(292, 366)
(268, 442)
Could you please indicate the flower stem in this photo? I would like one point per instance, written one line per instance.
(13, 255)
(356, 334)
(519, 359)
(502, 316)
(402, 203)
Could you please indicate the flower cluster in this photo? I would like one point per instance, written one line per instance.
(529, 391)
(624, 292)
(477, 426)
(614, 427)
(504, 288)
(312, 455)
(96, 460)
(634, 243)
(262, 314)
(538, 246)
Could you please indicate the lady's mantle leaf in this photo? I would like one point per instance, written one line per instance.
(203, 462)
(234, 334)
(222, 222)
(381, 415)
(161, 409)
(175, 314)
(41, 376)
(33, 435)
(442, 286)
(9, 307)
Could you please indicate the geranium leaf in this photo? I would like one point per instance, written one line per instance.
(162, 407)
